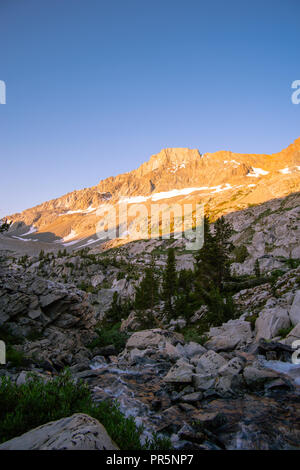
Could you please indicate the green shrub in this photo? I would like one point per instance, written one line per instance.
(240, 253)
(87, 287)
(252, 320)
(16, 358)
(35, 335)
(192, 334)
(23, 261)
(221, 309)
(36, 402)
(8, 337)
(276, 273)
(293, 263)
(110, 335)
(283, 332)
(121, 275)
(118, 310)
(69, 265)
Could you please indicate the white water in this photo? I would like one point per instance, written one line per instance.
(287, 368)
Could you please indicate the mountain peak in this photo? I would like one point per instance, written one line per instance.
(224, 181)
(169, 156)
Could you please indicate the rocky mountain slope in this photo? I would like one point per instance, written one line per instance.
(225, 393)
(224, 182)
(235, 386)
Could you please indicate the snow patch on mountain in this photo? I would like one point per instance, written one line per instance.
(71, 235)
(176, 193)
(256, 172)
(25, 239)
(89, 242)
(80, 211)
(235, 163)
(285, 171)
(30, 231)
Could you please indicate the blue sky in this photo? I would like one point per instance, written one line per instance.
(95, 87)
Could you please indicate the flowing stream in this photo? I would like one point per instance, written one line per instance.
(253, 421)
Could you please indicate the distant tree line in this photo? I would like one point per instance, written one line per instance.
(4, 226)
(183, 293)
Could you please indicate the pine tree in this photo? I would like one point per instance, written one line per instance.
(118, 309)
(212, 260)
(220, 309)
(169, 286)
(5, 226)
(147, 293)
(256, 268)
(183, 301)
(205, 268)
(113, 314)
(223, 247)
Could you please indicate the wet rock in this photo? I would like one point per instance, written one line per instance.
(176, 396)
(203, 382)
(192, 397)
(280, 352)
(187, 408)
(87, 374)
(279, 384)
(97, 362)
(81, 366)
(256, 378)
(258, 422)
(171, 420)
(156, 404)
(192, 436)
(105, 351)
(210, 420)
(136, 354)
(229, 385)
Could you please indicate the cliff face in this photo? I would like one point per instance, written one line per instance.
(224, 181)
